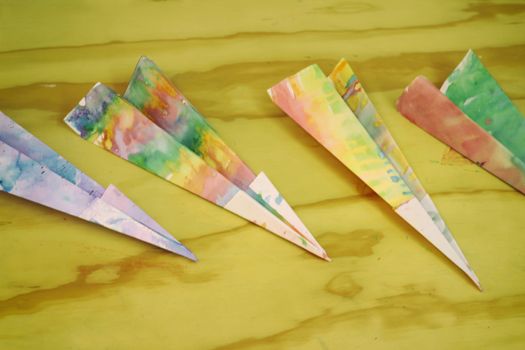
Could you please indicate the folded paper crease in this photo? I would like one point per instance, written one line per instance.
(110, 122)
(33, 171)
(423, 104)
(312, 100)
(150, 91)
(352, 91)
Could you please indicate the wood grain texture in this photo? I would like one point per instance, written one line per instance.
(67, 284)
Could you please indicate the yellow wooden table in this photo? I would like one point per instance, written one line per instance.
(68, 284)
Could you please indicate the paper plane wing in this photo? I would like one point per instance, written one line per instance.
(473, 89)
(23, 177)
(151, 92)
(424, 105)
(114, 197)
(352, 91)
(22, 140)
(312, 101)
(110, 122)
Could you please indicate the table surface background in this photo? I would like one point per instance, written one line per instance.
(65, 283)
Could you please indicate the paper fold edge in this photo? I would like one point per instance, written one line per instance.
(414, 213)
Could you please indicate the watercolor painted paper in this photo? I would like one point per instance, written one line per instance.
(110, 122)
(424, 105)
(20, 139)
(352, 91)
(151, 92)
(311, 100)
(473, 89)
(31, 170)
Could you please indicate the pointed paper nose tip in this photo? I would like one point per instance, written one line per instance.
(188, 254)
(193, 258)
(472, 275)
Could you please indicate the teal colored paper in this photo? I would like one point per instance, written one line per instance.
(479, 96)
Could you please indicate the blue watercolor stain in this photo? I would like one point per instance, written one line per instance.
(395, 178)
(10, 172)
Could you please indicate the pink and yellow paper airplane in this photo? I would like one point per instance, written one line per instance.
(317, 103)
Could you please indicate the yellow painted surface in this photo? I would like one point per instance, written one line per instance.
(68, 284)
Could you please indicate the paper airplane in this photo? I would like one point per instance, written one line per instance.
(31, 170)
(110, 122)
(479, 96)
(424, 105)
(311, 99)
(352, 91)
(157, 98)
